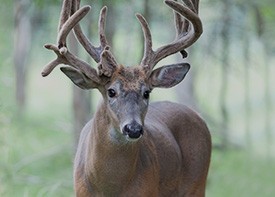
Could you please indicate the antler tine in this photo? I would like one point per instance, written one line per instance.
(182, 25)
(192, 5)
(101, 24)
(148, 51)
(59, 60)
(69, 25)
(83, 40)
(65, 13)
(93, 51)
(186, 13)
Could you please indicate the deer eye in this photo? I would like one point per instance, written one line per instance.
(146, 94)
(111, 93)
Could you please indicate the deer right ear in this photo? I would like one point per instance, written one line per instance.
(168, 76)
(79, 78)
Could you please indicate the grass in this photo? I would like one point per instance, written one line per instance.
(35, 160)
(237, 173)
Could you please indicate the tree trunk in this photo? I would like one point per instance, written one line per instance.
(81, 100)
(247, 62)
(185, 91)
(261, 30)
(110, 23)
(147, 16)
(22, 44)
(225, 68)
(268, 104)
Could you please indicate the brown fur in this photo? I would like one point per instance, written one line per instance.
(130, 77)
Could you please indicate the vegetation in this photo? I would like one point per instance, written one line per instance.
(37, 144)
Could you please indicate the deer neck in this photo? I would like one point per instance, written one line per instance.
(111, 161)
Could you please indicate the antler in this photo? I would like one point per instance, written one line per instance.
(70, 16)
(185, 14)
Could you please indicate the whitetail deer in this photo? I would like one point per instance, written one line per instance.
(113, 159)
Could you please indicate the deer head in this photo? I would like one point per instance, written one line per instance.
(125, 90)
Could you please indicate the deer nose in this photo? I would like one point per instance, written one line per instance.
(133, 130)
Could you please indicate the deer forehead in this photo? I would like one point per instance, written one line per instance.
(131, 78)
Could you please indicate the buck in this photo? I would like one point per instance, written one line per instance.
(131, 147)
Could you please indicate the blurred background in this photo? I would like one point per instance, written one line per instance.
(230, 84)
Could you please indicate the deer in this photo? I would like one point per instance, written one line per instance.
(132, 147)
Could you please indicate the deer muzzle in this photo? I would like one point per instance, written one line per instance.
(133, 130)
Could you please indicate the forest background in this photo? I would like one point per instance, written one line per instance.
(230, 85)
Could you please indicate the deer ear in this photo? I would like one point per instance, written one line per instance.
(79, 78)
(168, 76)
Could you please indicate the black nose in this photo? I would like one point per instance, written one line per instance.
(133, 130)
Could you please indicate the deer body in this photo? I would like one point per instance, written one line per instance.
(132, 148)
(171, 159)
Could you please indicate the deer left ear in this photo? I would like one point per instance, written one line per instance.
(79, 78)
(168, 76)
